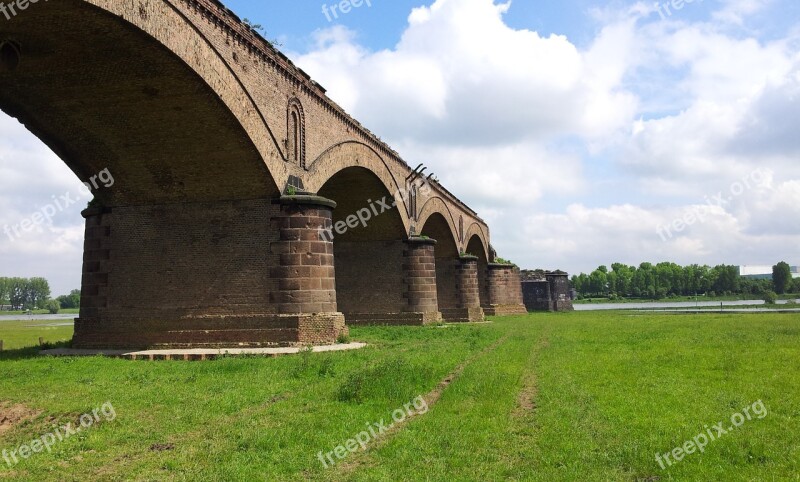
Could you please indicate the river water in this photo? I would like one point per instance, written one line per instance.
(666, 305)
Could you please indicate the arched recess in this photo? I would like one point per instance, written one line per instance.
(436, 227)
(475, 247)
(296, 133)
(356, 154)
(476, 230)
(368, 234)
(182, 234)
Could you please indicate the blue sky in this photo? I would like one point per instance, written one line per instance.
(583, 132)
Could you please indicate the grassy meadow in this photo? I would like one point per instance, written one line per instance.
(578, 396)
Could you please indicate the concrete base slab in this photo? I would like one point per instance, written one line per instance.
(392, 319)
(197, 353)
(505, 310)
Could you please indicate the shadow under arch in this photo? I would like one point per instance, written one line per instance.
(446, 254)
(475, 247)
(368, 247)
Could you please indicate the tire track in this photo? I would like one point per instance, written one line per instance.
(358, 459)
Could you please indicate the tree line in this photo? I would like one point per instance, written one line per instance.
(663, 280)
(34, 294)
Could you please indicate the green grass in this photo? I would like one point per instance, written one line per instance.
(62, 311)
(610, 391)
(26, 333)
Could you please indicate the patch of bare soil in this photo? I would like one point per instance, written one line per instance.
(526, 400)
(162, 447)
(12, 415)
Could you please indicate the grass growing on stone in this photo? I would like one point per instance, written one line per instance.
(590, 396)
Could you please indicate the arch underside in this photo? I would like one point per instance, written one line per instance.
(130, 106)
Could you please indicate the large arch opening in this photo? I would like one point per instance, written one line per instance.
(368, 236)
(475, 248)
(436, 227)
(180, 240)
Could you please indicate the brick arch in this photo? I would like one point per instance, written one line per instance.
(476, 230)
(146, 103)
(185, 40)
(355, 154)
(436, 205)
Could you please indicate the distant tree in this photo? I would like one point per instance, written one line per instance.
(70, 301)
(624, 278)
(17, 293)
(5, 288)
(39, 293)
(598, 283)
(782, 277)
(727, 279)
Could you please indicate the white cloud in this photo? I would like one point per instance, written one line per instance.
(513, 122)
(735, 11)
(31, 176)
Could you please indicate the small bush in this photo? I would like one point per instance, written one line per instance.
(53, 306)
(770, 298)
(343, 339)
(327, 368)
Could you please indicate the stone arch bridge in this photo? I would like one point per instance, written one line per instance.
(230, 166)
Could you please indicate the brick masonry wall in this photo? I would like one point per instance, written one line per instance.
(419, 268)
(467, 291)
(446, 290)
(536, 295)
(196, 119)
(369, 276)
(504, 290)
(208, 274)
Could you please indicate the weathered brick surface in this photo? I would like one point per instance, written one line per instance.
(419, 268)
(206, 274)
(468, 306)
(304, 270)
(546, 291)
(369, 277)
(504, 291)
